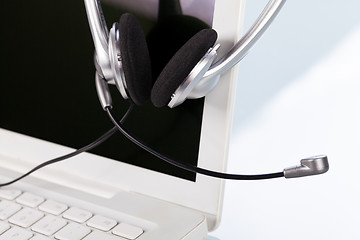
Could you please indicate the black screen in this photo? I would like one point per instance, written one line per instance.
(48, 91)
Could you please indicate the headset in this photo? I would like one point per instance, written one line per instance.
(122, 58)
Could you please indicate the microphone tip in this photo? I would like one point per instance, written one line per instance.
(308, 166)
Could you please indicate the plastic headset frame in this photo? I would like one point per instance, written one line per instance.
(205, 75)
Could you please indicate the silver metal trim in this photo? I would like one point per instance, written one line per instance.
(103, 92)
(308, 166)
(100, 35)
(116, 61)
(242, 47)
(183, 91)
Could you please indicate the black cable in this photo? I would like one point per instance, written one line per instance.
(88, 147)
(184, 165)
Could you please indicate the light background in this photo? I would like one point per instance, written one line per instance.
(298, 96)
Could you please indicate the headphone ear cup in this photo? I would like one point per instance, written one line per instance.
(168, 35)
(135, 59)
(180, 65)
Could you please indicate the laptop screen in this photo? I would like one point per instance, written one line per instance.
(47, 85)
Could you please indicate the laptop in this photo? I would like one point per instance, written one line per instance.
(49, 107)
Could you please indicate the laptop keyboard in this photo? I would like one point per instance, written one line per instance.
(25, 216)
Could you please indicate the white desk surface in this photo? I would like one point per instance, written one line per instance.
(298, 95)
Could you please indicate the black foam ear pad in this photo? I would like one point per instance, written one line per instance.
(168, 35)
(180, 65)
(135, 59)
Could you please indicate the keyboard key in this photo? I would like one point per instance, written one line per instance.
(9, 194)
(49, 225)
(30, 200)
(101, 223)
(16, 234)
(4, 227)
(27, 211)
(38, 237)
(127, 231)
(72, 231)
(26, 217)
(7, 209)
(77, 215)
(102, 236)
(53, 207)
